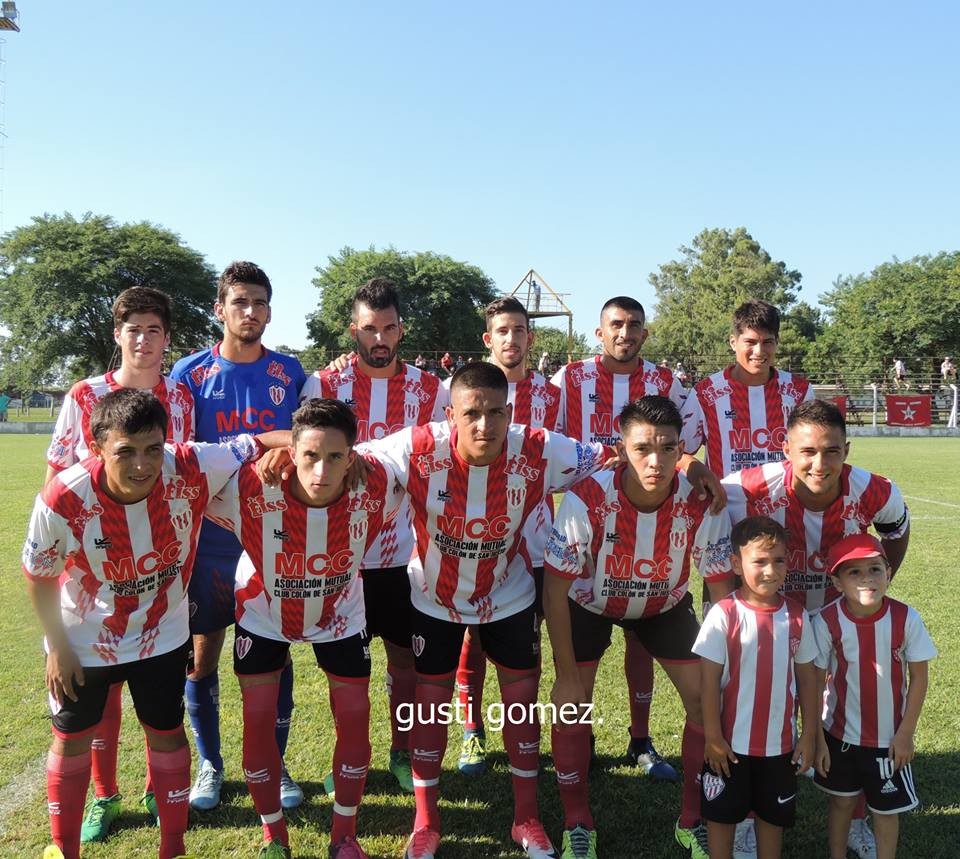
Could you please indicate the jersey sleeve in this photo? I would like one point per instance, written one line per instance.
(44, 550)
(824, 642)
(441, 402)
(393, 494)
(694, 423)
(677, 393)
(711, 641)
(736, 508)
(570, 461)
(712, 548)
(219, 462)
(557, 380)
(568, 547)
(224, 507)
(807, 651)
(62, 452)
(893, 519)
(311, 388)
(918, 646)
(393, 451)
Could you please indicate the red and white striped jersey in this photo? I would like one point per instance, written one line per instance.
(864, 499)
(127, 566)
(757, 647)
(298, 578)
(474, 524)
(411, 398)
(628, 564)
(866, 660)
(72, 436)
(591, 397)
(742, 425)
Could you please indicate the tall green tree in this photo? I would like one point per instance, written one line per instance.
(441, 299)
(554, 341)
(697, 293)
(59, 277)
(905, 309)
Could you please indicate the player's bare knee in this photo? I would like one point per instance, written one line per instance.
(400, 657)
(165, 741)
(206, 653)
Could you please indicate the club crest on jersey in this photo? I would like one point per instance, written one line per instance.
(712, 785)
(243, 645)
(411, 411)
(519, 465)
(537, 415)
(516, 495)
(178, 489)
(80, 520)
(358, 528)
(275, 370)
(182, 521)
(178, 425)
(678, 539)
(419, 643)
(277, 394)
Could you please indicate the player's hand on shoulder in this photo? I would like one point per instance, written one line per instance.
(275, 466)
(64, 674)
(341, 362)
(357, 472)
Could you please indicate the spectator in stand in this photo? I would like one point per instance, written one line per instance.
(420, 362)
(900, 374)
(681, 373)
(460, 363)
(446, 362)
(544, 364)
(948, 371)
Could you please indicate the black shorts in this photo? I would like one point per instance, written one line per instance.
(212, 603)
(156, 686)
(537, 573)
(344, 657)
(765, 786)
(512, 642)
(668, 636)
(386, 600)
(860, 768)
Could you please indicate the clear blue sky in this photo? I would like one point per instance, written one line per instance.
(588, 142)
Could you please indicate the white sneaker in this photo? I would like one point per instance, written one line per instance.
(745, 840)
(291, 794)
(205, 793)
(861, 840)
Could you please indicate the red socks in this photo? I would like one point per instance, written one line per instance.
(67, 780)
(261, 758)
(571, 758)
(521, 741)
(103, 749)
(428, 742)
(170, 774)
(471, 674)
(351, 756)
(638, 668)
(691, 755)
(401, 689)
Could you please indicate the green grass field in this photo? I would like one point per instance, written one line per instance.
(634, 816)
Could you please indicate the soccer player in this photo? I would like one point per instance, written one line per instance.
(141, 320)
(536, 403)
(386, 394)
(757, 650)
(475, 484)
(592, 393)
(127, 519)
(740, 413)
(298, 581)
(619, 554)
(238, 386)
(818, 498)
(870, 711)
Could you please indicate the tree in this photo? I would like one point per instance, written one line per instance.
(59, 277)
(441, 300)
(554, 341)
(697, 294)
(901, 309)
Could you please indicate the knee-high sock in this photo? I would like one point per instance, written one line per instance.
(67, 780)
(261, 758)
(691, 754)
(401, 689)
(203, 705)
(103, 749)
(471, 674)
(351, 756)
(170, 774)
(638, 668)
(428, 741)
(571, 757)
(284, 708)
(521, 740)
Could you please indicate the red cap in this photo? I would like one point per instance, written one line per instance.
(854, 548)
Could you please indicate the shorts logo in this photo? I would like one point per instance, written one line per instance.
(277, 393)
(888, 787)
(243, 644)
(419, 643)
(712, 785)
(783, 800)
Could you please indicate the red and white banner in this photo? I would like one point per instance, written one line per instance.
(908, 410)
